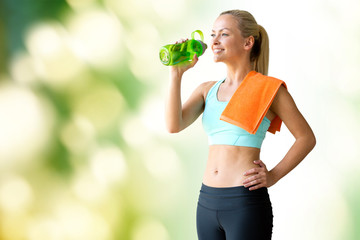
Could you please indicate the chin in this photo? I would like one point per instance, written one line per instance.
(216, 59)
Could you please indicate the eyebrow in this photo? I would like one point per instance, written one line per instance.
(222, 29)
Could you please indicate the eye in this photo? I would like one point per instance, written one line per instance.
(212, 35)
(225, 34)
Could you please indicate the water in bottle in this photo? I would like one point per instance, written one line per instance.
(173, 54)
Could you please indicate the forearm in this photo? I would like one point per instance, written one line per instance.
(173, 107)
(298, 151)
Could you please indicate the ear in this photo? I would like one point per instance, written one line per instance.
(249, 42)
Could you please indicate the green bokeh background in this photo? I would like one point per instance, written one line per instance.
(83, 149)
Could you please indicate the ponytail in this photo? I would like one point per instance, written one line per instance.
(262, 60)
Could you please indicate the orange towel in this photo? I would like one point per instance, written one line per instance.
(250, 102)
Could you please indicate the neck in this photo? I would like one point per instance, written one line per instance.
(237, 73)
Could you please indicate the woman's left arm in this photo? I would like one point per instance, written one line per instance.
(285, 107)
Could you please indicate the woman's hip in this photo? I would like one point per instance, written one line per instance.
(231, 198)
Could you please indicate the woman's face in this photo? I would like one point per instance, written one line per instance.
(227, 43)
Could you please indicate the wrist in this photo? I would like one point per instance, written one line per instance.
(175, 74)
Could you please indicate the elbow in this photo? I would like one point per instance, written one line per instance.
(173, 129)
(173, 126)
(308, 141)
(313, 141)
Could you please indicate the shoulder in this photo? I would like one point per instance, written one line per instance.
(205, 87)
(282, 92)
(266, 78)
(283, 100)
(273, 80)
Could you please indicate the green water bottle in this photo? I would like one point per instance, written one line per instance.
(173, 54)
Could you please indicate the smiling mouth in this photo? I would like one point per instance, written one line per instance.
(218, 50)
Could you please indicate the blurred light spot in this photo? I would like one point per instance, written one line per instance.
(130, 10)
(145, 62)
(87, 188)
(153, 116)
(78, 135)
(108, 165)
(44, 39)
(15, 194)
(76, 4)
(23, 68)
(44, 229)
(55, 62)
(134, 132)
(14, 226)
(149, 229)
(78, 222)
(169, 10)
(162, 162)
(97, 38)
(101, 105)
(146, 72)
(24, 124)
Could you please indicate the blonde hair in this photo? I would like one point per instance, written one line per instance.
(248, 26)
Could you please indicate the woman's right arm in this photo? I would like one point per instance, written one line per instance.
(177, 115)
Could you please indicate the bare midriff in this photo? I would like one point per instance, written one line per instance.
(226, 165)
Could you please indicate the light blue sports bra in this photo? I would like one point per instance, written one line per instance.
(222, 133)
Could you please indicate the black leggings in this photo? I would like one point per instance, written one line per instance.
(234, 213)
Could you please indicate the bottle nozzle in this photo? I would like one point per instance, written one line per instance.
(204, 46)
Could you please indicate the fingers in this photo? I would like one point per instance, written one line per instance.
(255, 182)
(260, 163)
(194, 60)
(259, 176)
(187, 64)
(253, 171)
(257, 187)
(181, 40)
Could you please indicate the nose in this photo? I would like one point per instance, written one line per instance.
(215, 40)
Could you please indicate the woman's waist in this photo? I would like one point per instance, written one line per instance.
(233, 156)
(227, 198)
(227, 164)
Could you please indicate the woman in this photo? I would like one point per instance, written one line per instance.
(234, 203)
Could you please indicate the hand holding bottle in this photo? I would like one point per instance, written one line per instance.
(183, 66)
(183, 50)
